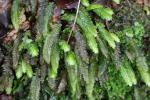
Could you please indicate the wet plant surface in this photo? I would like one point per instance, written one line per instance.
(74, 50)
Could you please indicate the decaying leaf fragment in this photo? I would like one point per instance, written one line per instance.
(145, 2)
(4, 7)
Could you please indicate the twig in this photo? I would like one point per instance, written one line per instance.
(77, 12)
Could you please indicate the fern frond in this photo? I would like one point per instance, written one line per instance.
(51, 82)
(143, 69)
(9, 84)
(41, 14)
(15, 17)
(82, 66)
(47, 18)
(82, 56)
(22, 68)
(111, 38)
(35, 88)
(6, 83)
(49, 41)
(102, 46)
(6, 66)
(55, 57)
(101, 11)
(88, 28)
(127, 73)
(91, 81)
(7, 76)
(71, 65)
(15, 52)
(43, 72)
(104, 13)
(81, 47)
(117, 55)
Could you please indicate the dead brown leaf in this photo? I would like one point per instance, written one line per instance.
(5, 97)
(4, 5)
(24, 23)
(10, 36)
(145, 2)
(140, 1)
(67, 4)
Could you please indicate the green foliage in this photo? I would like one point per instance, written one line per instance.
(143, 69)
(100, 10)
(136, 31)
(82, 56)
(133, 52)
(80, 48)
(44, 16)
(115, 85)
(90, 82)
(46, 19)
(55, 57)
(72, 69)
(98, 60)
(49, 41)
(64, 46)
(104, 13)
(85, 2)
(127, 73)
(70, 59)
(35, 88)
(23, 68)
(33, 50)
(88, 28)
(111, 38)
(15, 14)
(29, 45)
